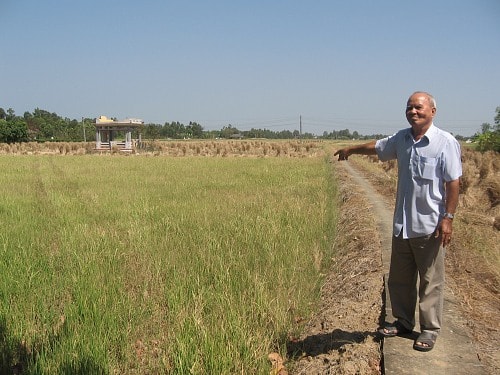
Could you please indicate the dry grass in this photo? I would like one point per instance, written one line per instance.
(480, 184)
(474, 259)
(225, 148)
(47, 148)
(179, 148)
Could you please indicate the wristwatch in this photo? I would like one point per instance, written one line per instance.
(447, 215)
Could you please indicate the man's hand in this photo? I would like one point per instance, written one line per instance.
(343, 154)
(445, 226)
(444, 230)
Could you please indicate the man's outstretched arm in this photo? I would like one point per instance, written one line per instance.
(363, 149)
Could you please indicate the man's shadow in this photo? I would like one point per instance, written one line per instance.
(325, 342)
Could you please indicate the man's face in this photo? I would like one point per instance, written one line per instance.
(419, 111)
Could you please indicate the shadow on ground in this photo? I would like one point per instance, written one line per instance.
(325, 342)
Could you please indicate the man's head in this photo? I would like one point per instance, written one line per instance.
(420, 110)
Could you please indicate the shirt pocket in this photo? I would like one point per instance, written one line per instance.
(427, 168)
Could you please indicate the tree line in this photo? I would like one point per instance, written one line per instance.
(41, 125)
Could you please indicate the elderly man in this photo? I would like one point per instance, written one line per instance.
(429, 167)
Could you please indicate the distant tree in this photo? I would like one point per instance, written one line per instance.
(13, 131)
(151, 131)
(212, 134)
(345, 134)
(489, 138)
(229, 131)
(485, 127)
(195, 130)
(174, 130)
(10, 114)
(285, 134)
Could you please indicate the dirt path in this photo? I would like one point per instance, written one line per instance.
(341, 338)
(380, 208)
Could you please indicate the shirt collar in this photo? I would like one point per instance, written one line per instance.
(430, 133)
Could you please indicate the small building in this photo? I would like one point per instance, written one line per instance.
(107, 131)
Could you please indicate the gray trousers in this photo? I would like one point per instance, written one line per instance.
(423, 257)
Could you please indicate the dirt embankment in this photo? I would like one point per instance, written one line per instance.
(341, 337)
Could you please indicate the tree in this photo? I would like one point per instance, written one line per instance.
(485, 127)
(10, 114)
(151, 131)
(174, 130)
(285, 134)
(13, 131)
(195, 129)
(229, 131)
(489, 139)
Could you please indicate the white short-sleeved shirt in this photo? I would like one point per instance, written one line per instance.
(423, 168)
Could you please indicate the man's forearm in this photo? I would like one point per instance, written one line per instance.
(363, 149)
(452, 191)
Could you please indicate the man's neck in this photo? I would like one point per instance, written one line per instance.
(419, 132)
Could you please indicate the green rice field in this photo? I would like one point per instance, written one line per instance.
(114, 264)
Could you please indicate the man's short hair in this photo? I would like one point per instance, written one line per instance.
(431, 99)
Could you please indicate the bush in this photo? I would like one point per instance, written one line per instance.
(488, 141)
(13, 131)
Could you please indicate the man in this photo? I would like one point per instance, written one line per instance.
(429, 167)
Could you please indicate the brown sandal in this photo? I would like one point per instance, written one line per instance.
(394, 329)
(425, 342)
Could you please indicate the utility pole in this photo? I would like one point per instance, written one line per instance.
(83, 125)
(300, 126)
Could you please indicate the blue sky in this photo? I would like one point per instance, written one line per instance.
(263, 64)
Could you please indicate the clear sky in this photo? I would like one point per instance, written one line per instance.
(260, 63)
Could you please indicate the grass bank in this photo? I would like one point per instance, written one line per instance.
(115, 264)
